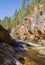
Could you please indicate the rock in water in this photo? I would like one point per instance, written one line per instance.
(7, 54)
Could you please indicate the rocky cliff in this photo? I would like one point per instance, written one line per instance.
(4, 35)
(33, 28)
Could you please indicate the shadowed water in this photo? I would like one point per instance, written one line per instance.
(16, 54)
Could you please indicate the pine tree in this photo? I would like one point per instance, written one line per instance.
(35, 2)
(23, 9)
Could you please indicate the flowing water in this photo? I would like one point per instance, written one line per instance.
(20, 54)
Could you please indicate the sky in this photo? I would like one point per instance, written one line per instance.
(8, 7)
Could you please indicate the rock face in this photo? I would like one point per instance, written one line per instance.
(4, 35)
(33, 28)
(6, 54)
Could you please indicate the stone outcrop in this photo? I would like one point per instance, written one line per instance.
(4, 35)
(33, 28)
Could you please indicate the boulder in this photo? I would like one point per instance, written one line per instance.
(4, 35)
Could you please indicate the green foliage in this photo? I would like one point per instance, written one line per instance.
(34, 2)
(43, 2)
(29, 8)
(6, 22)
(17, 19)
